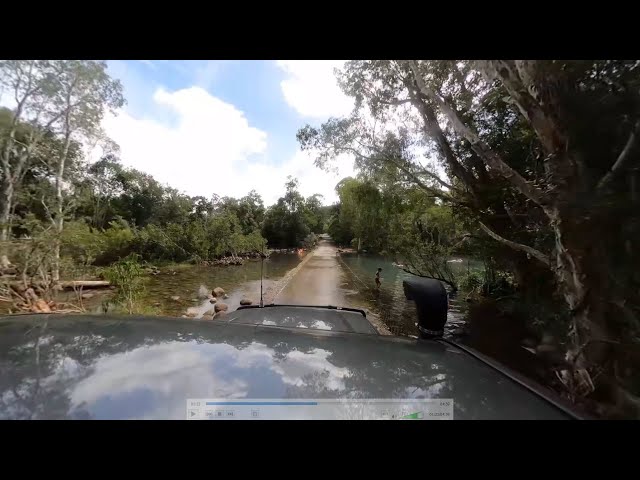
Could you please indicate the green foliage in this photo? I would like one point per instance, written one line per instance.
(127, 276)
(90, 246)
(398, 220)
(310, 241)
(33, 253)
(497, 283)
(314, 214)
(196, 240)
(293, 218)
(249, 210)
(423, 253)
(471, 282)
(361, 213)
(81, 243)
(116, 241)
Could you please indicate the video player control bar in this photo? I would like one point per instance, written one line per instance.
(320, 409)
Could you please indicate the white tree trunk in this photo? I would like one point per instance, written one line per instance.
(7, 197)
(13, 173)
(59, 220)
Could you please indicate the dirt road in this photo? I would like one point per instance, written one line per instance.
(318, 281)
(322, 280)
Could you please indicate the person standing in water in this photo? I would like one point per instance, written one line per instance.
(378, 283)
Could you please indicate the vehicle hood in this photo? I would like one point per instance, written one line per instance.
(294, 316)
(100, 367)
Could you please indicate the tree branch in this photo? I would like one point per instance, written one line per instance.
(432, 129)
(465, 237)
(459, 76)
(492, 159)
(436, 178)
(517, 79)
(406, 171)
(46, 208)
(397, 102)
(479, 167)
(417, 273)
(423, 170)
(537, 98)
(517, 246)
(621, 161)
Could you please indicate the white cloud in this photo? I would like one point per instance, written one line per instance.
(170, 369)
(297, 367)
(210, 147)
(269, 180)
(312, 90)
(197, 151)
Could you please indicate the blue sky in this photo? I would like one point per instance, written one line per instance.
(226, 127)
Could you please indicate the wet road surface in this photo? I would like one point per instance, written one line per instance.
(318, 282)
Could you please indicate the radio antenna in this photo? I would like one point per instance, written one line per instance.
(261, 269)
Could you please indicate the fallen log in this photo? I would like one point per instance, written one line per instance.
(85, 284)
(68, 284)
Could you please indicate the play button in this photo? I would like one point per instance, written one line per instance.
(193, 413)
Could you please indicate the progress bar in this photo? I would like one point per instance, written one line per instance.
(263, 403)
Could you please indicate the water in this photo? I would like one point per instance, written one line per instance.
(193, 283)
(389, 303)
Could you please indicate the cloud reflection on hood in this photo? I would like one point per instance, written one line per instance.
(152, 380)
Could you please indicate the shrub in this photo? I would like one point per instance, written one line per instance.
(489, 283)
(310, 240)
(117, 241)
(90, 246)
(81, 243)
(497, 283)
(471, 282)
(196, 241)
(127, 275)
